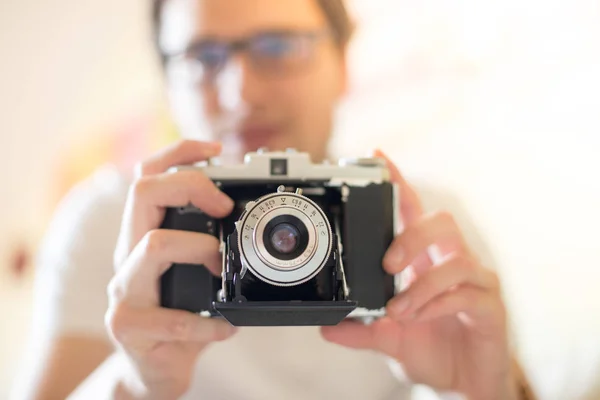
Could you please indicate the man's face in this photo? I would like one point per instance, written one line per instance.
(278, 90)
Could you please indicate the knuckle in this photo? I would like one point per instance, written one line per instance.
(190, 179)
(139, 187)
(494, 280)
(116, 322)
(460, 262)
(179, 328)
(445, 217)
(198, 182)
(115, 290)
(154, 242)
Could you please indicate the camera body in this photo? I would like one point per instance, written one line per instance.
(303, 246)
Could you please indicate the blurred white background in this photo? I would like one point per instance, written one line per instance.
(496, 104)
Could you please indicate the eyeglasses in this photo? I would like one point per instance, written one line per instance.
(273, 53)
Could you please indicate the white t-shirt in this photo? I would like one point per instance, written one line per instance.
(76, 264)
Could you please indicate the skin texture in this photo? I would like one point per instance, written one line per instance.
(66, 361)
(288, 111)
(163, 344)
(451, 334)
(449, 328)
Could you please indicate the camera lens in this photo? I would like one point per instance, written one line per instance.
(285, 238)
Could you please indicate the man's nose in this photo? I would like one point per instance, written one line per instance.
(239, 86)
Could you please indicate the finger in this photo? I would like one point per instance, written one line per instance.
(180, 153)
(351, 334)
(421, 263)
(454, 271)
(417, 267)
(472, 305)
(136, 280)
(149, 196)
(410, 204)
(180, 189)
(383, 335)
(418, 237)
(128, 325)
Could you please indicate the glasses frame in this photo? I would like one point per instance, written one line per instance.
(242, 45)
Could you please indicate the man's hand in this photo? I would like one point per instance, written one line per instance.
(448, 329)
(161, 344)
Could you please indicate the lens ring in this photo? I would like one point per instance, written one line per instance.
(251, 242)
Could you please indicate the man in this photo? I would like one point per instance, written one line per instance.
(256, 73)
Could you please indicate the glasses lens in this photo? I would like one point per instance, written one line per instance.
(280, 51)
(270, 52)
(211, 57)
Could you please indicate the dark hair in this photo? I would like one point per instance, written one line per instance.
(334, 10)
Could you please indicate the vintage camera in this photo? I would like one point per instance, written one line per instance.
(303, 246)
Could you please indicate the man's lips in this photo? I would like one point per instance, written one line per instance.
(258, 131)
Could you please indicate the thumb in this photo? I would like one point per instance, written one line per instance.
(383, 335)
